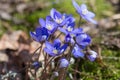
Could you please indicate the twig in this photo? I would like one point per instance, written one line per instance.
(46, 67)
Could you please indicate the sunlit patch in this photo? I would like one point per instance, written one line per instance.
(55, 51)
(84, 11)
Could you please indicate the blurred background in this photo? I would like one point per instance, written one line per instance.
(18, 17)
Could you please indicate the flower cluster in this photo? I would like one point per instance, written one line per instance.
(74, 38)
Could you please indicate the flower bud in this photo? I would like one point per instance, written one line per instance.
(64, 63)
(92, 55)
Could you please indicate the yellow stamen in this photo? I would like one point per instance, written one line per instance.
(55, 51)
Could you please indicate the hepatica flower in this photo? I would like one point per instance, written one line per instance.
(68, 26)
(40, 34)
(83, 39)
(59, 18)
(50, 25)
(92, 55)
(64, 63)
(56, 48)
(77, 52)
(72, 34)
(84, 13)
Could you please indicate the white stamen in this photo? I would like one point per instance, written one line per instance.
(84, 11)
(59, 20)
(49, 27)
(55, 51)
(70, 29)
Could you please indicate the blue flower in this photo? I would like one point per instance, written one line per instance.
(37, 65)
(64, 63)
(68, 26)
(77, 52)
(50, 25)
(40, 34)
(92, 55)
(84, 13)
(59, 18)
(55, 49)
(71, 35)
(69, 39)
(83, 39)
(56, 16)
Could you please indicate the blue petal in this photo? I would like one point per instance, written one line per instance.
(36, 65)
(48, 51)
(67, 38)
(63, 48)
(55, 14)
(83, 6)
(83, 39)
(44, 31)
(57, 43)
(33, 35)
(90, 58)
(92, 55)
(52, 24)
(77, 52)
(92, 20)
(38, 31)
(77, 7)
(90, 15)
(70, 19)
(71, 25)
(63, 30)
(77, 31)
(48, 18)
(42, 22)
(49, 45)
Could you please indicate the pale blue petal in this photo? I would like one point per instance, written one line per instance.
(77, 7)
(90, 15)
(48, 51)
(83, 6)
(63, 30)
(42, 22)
(57, 43)
(49, 45)
(55, 14)
(92, 20)
(77, 31)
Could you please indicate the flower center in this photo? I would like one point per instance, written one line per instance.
(59, 21)
(55, 51)
(69, 29)
(84, 11)
(49, 27)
